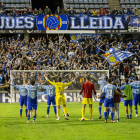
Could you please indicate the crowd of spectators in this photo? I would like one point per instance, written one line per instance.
(61, 54)
(71, 11)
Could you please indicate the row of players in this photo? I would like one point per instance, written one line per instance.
(107, 96)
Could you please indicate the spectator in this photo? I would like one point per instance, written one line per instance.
(20, 12)
(81, 13)
(58, 11)
(71, 9)
(2, 6)
(1, 11)
(94, 12)
(136, 12)
(35, 12)
(115, 11)
(8, 12)
(47, 10)
(87, 10)
(29, 10)
(40, 11)
(121, 11)
(14, 11)
(129, 10)
(107, 11)
(102, 11)
(65, 10)
(24, 11)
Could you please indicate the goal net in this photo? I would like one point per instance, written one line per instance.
(16, 77)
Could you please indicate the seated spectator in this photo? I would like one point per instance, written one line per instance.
(14, 11)
(20, 12)
(25, 11)
(35, 12)
(29, 10)
(94, 12)
(40, 11)
(115, 11)
(102, 11)
(121, 11)
(65, 10)
(1, 11)
(71, 9)
(129, 10)
(47, 10)
(58, 11)
(136, 12)
(8, 12)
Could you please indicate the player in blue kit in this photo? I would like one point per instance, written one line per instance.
(50, 91)
(102, 82)
(32, 99)
(136, 94)
(23, 95)
(109, 90)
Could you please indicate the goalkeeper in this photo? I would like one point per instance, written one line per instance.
(60, 98)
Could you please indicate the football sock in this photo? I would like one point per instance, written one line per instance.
(65, 111)
(34, 117)
(28, 117)
(61, 109)
(112, 115)
(105, 115)
(100, 108)
(83, 112)
(58, 112)
(127, 115)
(108, 110)
(26, 111)
(130, 115)
(136, 111)
(54, 109)
(20, 111)
(90, 113)
(48, 109)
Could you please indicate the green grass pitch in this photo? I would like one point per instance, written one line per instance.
(14, 128)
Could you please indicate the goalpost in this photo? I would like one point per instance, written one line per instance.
(67, 76)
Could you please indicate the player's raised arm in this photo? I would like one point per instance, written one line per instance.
(68, 84)
(52, 83)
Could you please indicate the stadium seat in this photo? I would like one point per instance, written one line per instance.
(126, 1)
(131, 1)
(106, 6)
(91, 10)
(12, 1)
(3, 1)
(101, 5)
(87, 5)
(67, 5)
(76, 1)
(137, 1)
(22, 1)
(76, 5)
(82, 6)
(138, 6)
(65, 1)
(8, 1)
(125, 11)
(85, 1)
(100, 1)
(23, 5)
(127, 6)
(8, 5)
(133, 6)
(12, 5)
(80, 1)
(72, 5)
(18, 5)
(90, 1)
(27, 5)
(27, 1)
(95, 1)
(91, 6)
(70, 1)
(105, 1)
(97, 10)
(122, 1)
(123, 6)
(97, 6)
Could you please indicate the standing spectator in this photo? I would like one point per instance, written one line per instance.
(40, 11)
(20, 12)
(102, 11)
(129, 10)
(14, 11)
(58, 11)
(29, 10)
(107, 11)
(136, 12)
(8, 12)
(81, 13)
(121, 11)
(1, 11)
(65, 10)
(35, 12)
(47, 10)
(87, 10)
(71, 9)
(94, 12)
(25, 11)
(2, 6)
(115, 11)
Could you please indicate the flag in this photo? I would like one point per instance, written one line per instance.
(115, 57)
(134, 21)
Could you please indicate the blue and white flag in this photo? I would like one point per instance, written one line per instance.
(134, 21)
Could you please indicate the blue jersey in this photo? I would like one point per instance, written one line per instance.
(1, 79)
(102, 83)
(22, 89)
(131, 79)
(32, 91)
(136, 84)
(109, 91)
(50, 90)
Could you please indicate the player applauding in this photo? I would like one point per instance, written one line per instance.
(88, 88)
(60, 98)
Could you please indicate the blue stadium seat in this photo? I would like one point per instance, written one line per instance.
(91, 10)
(23, 5)
(133, 6)
(82, 6)
(138, 6)
(90, 1)
(95, 1)
(27, 5)
(85, 1)
(12, 1)
(131, 1)
(123, 6)
(122, 1)
(27, 1)
(70, 1)
(127, 6)
(97, 6)
(101, 5)
(76, 1)
(97, 10)
(12, 5)
(100, 1)
(3, 1)
(126, 1)
(8, 5)
(125, 11)
(7, 1)
(18, 5)
(80, 1)
(22, 1)
(87, 5)
(106, 6)
(105, 1)
(137, 1)
(91, 6)
(76, 5)
(72, 5)
(65, 1)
